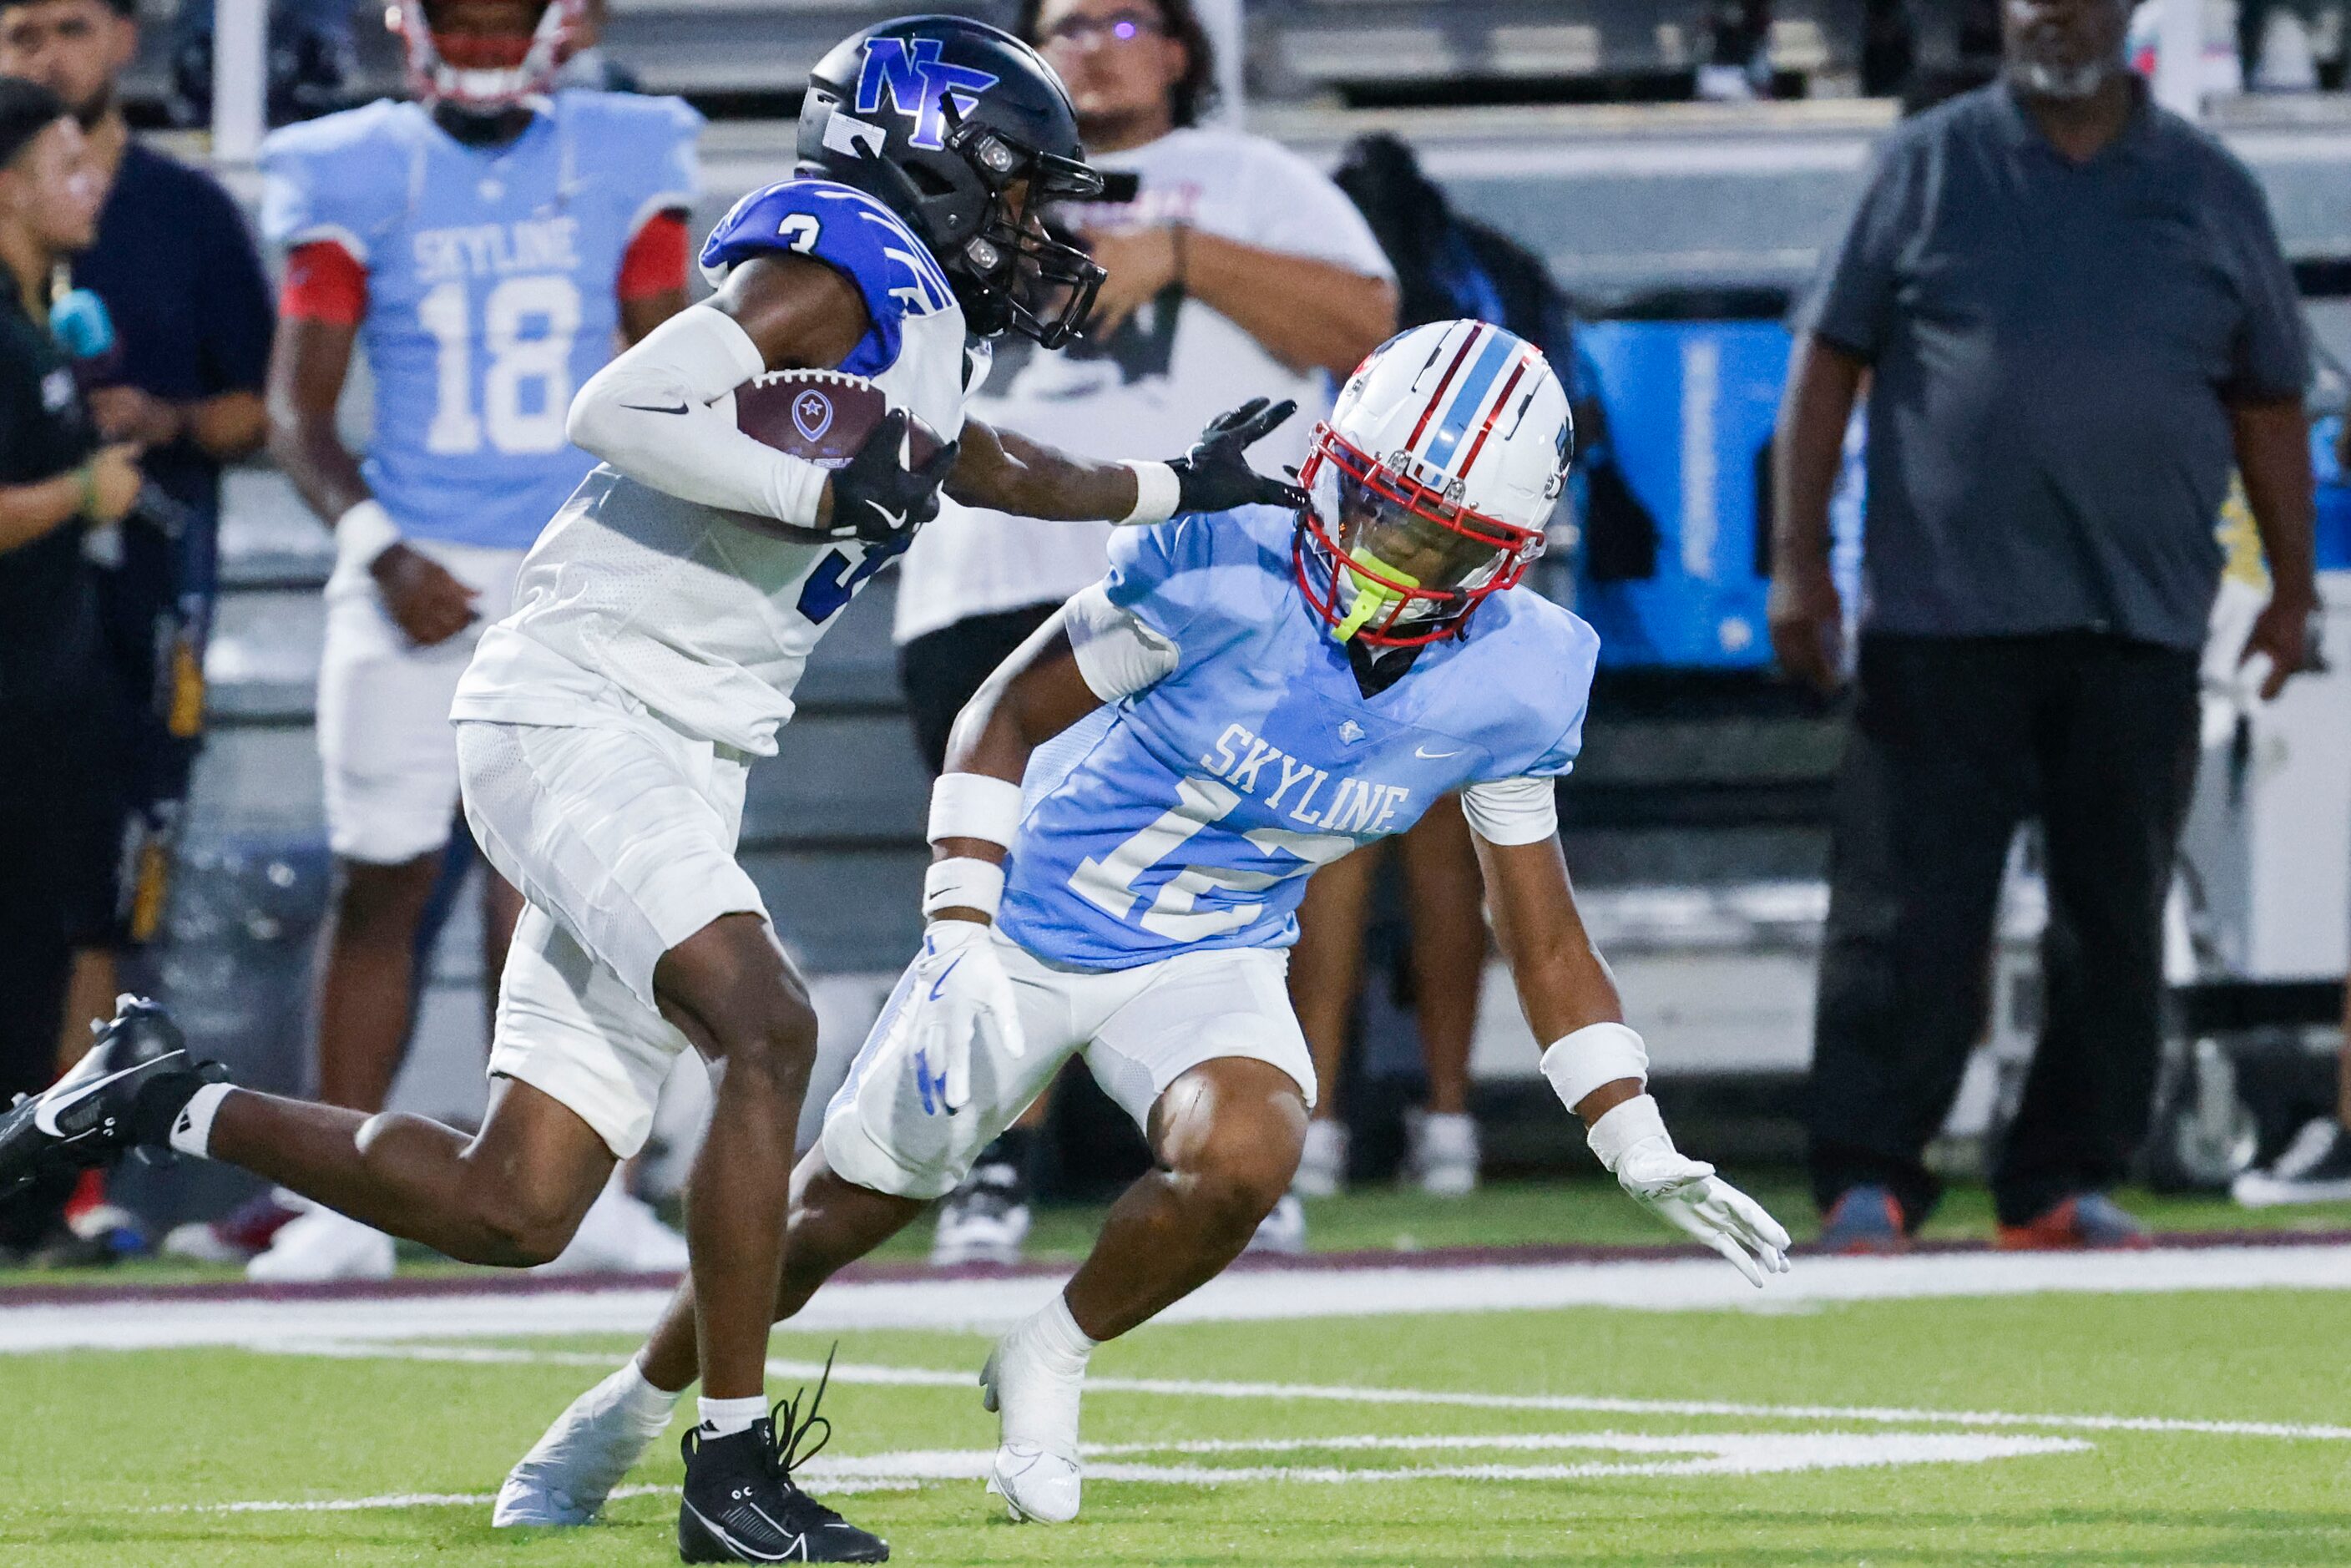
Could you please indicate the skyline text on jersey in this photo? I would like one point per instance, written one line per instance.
(1242, 759)
(497, 250)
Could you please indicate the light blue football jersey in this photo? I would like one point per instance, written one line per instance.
(1188, 816)
(492, 286)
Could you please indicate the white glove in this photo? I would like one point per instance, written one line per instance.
(960, 988)
(1632, 1142)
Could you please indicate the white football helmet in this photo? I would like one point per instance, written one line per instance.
(1429, 485)
(490, 60)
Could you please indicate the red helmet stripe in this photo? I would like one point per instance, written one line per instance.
(1437, 401)
(1493, 414)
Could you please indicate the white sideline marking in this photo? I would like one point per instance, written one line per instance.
(1253, 1295)
(854, 1372)
(1730, 1453)
(450, 1499)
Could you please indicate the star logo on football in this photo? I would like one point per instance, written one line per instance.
(812, 414)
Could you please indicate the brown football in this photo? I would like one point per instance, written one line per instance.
(824, 416)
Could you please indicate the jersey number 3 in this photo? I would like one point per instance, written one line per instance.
(1109, 883)
(527, 385)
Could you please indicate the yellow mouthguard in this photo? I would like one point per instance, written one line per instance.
(1372, 595)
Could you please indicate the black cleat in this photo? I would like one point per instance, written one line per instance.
(93, 1114)
(741, 1505)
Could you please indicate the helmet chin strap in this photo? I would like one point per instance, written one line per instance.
(1372, 595)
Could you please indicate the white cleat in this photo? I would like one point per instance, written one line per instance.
(323, 1245)
(1322, 1164)
(1282, 1232)
(620, 1234)
(1444, 1153)
(984, 1220)
(1036, 1470)
(569, 1472)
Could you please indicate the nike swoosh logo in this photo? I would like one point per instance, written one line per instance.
(1433, 756)
(653, 407)
(46, 1116)
(896, 520)
(798, 1550)
(942, 978)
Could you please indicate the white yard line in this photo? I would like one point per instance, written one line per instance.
(859, 1373)
(1251, 1295)
(1729, 1453)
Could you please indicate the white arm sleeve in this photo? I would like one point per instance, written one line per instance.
(1511, 811)
(1117, 654)
(649, 415)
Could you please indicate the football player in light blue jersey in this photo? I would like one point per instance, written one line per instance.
(482, 246)
(1244, 698)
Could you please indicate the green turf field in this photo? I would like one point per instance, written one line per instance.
(1919, 1431)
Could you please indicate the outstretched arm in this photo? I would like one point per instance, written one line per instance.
(1598, 1066)
(1011, 472)
(1563, 984)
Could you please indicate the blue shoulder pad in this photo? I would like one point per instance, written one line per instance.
(644, 146)
(1548, 690)
(849, 232)
(335, 177)
(1190, 571)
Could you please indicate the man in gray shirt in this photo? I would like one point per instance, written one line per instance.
(2072, 313)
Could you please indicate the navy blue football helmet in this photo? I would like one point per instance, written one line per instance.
(968, 135)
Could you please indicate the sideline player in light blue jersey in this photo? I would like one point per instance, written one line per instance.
(1244, 698)
(483, 247)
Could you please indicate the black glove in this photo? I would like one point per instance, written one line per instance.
(875, 498)
(1214, 477)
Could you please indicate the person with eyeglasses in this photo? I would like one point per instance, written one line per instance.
(1235, 269)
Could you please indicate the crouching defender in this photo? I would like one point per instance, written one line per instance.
(1243, 698)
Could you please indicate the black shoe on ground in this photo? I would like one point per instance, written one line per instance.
(124, 1091)
(742, 1506)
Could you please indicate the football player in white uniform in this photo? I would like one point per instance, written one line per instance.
(604, 727)
(481, 245)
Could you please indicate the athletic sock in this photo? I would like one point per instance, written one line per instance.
(636, 1397)
(725, 1417)
(177, 1108)
(1056, 1334)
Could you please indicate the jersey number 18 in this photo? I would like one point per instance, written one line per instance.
(541, 361)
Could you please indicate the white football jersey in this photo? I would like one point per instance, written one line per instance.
(686, 608)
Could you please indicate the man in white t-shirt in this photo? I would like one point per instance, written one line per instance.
(1237, 270)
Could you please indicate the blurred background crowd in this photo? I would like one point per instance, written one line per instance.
(1930, 813)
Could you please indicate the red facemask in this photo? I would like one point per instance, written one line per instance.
(1388, 561)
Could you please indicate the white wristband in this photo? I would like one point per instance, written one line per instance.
(1635, 1122)
(1596, 1054)
(974, 805)
(1158, 493)
(364, 532)
(962, 882)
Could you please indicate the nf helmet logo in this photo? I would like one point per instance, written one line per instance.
(909, 72)
(812, 413)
